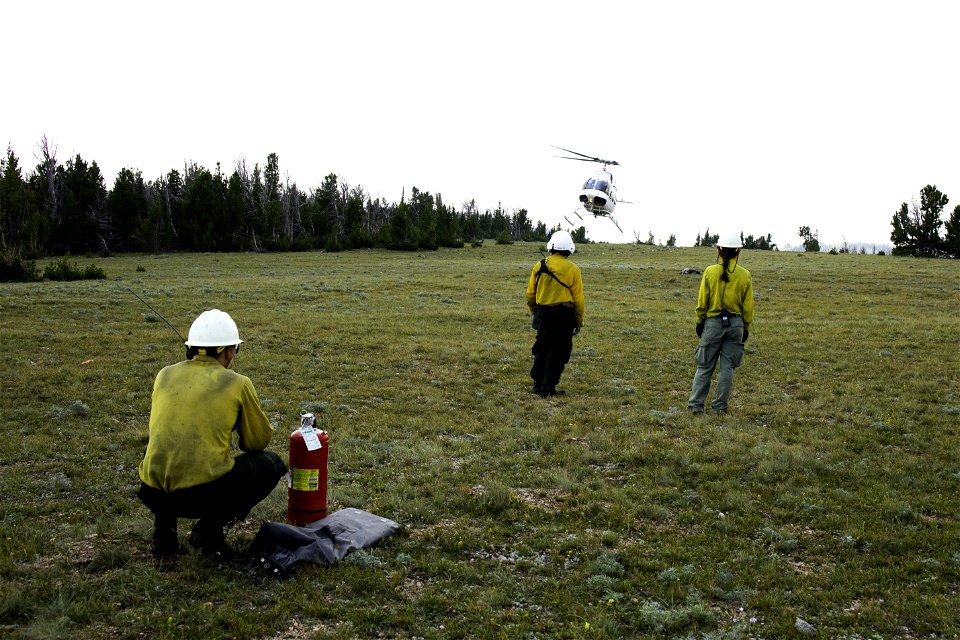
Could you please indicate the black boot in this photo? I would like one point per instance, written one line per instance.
(164, 543)
(207, 538)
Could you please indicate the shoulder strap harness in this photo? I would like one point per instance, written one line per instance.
(545, 269)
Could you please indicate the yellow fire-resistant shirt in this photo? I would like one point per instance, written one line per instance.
(197, 404)
(736, 296)
(548, 292)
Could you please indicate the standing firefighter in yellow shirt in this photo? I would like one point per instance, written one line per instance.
(555, 298)
(724, 313)
(188, 470)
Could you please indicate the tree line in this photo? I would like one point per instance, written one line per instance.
(761, 242)
(59, 209)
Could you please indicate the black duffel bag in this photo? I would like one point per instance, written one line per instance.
(279, 548)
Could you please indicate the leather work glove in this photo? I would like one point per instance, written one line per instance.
(699, 329)
(746, 334)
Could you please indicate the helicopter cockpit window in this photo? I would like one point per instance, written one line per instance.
(602, 185)
(589, 184)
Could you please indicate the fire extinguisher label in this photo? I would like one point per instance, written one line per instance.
(310, 438)
(305, 479)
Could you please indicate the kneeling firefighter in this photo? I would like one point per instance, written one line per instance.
(555, 298)
(188, 470)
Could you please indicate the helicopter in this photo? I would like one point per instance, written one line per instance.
(598, 196)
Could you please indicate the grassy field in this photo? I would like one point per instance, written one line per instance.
(830, 492)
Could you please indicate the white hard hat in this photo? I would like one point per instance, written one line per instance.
(213, 328)
(561, 241)
(731, 241)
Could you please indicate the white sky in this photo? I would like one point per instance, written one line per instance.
(761, 116)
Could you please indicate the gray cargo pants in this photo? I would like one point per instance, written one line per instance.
(717, 344)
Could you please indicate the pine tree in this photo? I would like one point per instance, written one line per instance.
(916, 229)
(951, 238)
(126, 208)
(810, 241)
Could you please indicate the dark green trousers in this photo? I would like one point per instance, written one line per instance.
(553, 346)
(221, 502)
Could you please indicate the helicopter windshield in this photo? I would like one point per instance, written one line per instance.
(598, 184)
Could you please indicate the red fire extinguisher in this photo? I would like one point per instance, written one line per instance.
(307, 475)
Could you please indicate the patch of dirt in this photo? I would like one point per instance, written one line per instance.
(82, 552)
(298, 630)
(550, 500)
(431, 531)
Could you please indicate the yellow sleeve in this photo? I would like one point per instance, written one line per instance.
(252, 423)
(748, 303)
(703, 300)
(576, 290)
(532, 289)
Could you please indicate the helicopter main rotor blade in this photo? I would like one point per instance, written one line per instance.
(577, 153)
(584, 157)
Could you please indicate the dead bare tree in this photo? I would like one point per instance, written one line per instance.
(48, 167)
(375, 214)
(342, 199)
(241, 168)
(290, 200)
(168, 201)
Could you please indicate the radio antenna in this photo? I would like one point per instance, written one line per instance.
(156, 312)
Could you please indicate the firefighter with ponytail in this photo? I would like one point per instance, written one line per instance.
(724, 314)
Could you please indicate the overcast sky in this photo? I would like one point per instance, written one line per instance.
(757, 116)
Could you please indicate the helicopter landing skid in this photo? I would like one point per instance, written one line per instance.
(595, 215)
(571, 222)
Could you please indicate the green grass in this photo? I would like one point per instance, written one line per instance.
(829, 493)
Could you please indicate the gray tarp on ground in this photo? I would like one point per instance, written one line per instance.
(278, 547)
